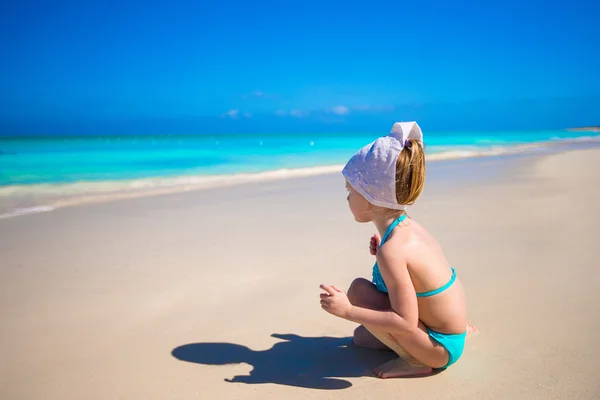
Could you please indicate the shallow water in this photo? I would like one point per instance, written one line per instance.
(45, 172)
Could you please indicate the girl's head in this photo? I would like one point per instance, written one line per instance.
(386, 176)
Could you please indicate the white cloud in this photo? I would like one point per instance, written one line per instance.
(373, 108)
(337, 110)
(258, 94)
(298, 113)
(340, 110)
(247, 115)
(233, 114)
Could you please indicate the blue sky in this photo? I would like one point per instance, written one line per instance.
(313, 66)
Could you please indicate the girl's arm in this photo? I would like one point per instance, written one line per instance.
(404, 315)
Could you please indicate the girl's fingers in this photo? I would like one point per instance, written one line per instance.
(328, 289)
(373, 244)
(373, 250)
(324, 296)
(336, 288)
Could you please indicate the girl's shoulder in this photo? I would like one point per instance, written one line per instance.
(397, 248)
(407, 243)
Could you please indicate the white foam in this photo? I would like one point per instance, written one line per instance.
(66, 194)
(29, 210)
(577, 139)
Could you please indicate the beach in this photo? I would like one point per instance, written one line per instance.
(213, 294)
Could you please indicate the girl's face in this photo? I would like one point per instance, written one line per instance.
(359, 206)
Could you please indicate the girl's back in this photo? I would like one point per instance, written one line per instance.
(429, 270)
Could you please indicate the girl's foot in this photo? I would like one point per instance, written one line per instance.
(398, 368)
(471, 329)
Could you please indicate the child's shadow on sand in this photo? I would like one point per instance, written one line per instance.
(309, 362)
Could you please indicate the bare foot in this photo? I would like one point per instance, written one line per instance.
(399, 368)
(364, 338)
(471, 329)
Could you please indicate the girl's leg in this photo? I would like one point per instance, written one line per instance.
(363, 338)
(363, 293)
(418, 346)
(419, 354)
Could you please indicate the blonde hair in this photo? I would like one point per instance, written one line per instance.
(410, 177)
(410, 172)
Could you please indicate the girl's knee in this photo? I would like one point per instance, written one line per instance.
(357, 333)
(359, 289)
(360, 336)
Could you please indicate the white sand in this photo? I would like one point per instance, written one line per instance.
(94, 299)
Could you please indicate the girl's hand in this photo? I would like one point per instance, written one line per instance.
(374, 244)
(335, 301)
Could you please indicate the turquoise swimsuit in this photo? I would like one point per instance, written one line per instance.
(453, 343)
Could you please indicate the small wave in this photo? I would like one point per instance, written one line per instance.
(577, 139)
(24, 211)
(68, 194)
(476, 152)
(446, 153)
(51, 196)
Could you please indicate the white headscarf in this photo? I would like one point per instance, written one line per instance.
(372, 170)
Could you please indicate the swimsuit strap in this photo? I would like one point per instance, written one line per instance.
(391, 228)
(439, 290)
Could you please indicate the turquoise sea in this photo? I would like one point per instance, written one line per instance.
(30, 161)
(33, 166)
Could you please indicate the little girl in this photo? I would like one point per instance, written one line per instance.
(416, 304)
